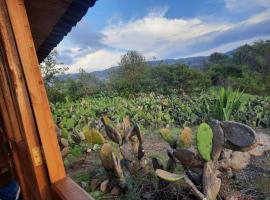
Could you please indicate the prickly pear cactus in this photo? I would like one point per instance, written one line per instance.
(186, 137)
(204, 141)
(167, 135)
(106, 156)
(93, 136)
(65, 134)
(167, 176)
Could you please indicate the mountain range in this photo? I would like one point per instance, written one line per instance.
(195, 62)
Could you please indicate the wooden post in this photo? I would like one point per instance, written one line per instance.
(36, 90)
(18, 117)
(26, 112)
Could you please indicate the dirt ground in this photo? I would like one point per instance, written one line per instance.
(253, 182)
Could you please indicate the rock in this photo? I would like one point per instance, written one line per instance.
(218, 140)
(263, 146)
(84, 184)
(235, 160)
(65, 151)
(238, 136)
(81, 135)
(64, 142)
(94, 184)
(115, 191)
(211, 182)
(104, 185)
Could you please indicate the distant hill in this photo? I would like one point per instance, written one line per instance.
(195, 62)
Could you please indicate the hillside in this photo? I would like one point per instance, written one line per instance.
(194, 62)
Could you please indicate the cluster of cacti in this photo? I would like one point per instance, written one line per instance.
(184, 139)
(122, 158)
(86, 136)
(202, 167)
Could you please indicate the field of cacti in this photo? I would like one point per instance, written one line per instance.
(108, 142)
(155, 111)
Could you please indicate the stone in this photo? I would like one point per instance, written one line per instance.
(235, 160)
(64, 142)
(263, 146)
(104, 185)
(65, 151)
(115, 191)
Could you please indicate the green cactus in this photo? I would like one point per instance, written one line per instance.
(65, 134)
(93, 136)
(106, 156)
(204, 141)
(167, 135)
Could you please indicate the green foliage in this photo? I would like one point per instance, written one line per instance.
(130, 75)
(181, 78)
(204, 141)
(226, 103)
(155, 111)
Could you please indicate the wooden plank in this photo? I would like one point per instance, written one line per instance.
(36, 89)
(18, 147)
(67, 189)
(19, 122)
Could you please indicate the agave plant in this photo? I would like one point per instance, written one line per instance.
(227, 103)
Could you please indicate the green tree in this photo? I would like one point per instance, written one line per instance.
(87, 83)
(50, 70)
(131, 72)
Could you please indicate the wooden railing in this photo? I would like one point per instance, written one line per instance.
(67, 189)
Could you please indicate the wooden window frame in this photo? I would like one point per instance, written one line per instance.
(26, 113)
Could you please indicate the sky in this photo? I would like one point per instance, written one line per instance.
(162, 29)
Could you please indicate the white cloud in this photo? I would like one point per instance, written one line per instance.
(98, 60)
(157, 36)
(245, 5)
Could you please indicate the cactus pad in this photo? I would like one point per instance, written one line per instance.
(65, 134)
(94, 137)
(204, 141)
(106, 156)
(186, 137)
(167, 176)
(167, 135)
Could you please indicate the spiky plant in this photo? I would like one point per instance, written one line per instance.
(227, 103)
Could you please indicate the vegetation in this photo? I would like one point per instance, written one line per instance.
(168, 98)
(245, 69)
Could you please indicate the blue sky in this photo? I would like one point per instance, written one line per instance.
(161, 29)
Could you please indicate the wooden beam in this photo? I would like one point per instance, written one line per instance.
(36, 89)
(18, 116)
(67, 189)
